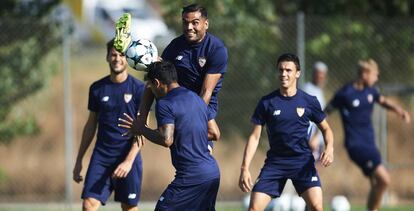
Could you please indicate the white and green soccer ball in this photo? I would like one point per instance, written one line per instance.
(141, 53)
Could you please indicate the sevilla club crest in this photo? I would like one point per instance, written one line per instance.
(202, 61)
(127, 97)
(300, 111)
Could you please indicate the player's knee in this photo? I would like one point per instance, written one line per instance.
(384, 181)
(127, 207)
(255, 208)
(90, 204)
(314, 206)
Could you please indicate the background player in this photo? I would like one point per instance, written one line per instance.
(355, 102)
(182, 126)
(116, 162)
(315, 88)
(286, 112)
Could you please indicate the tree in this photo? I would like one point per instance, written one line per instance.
(30, 39)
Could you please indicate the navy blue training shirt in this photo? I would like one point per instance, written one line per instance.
(287, 121)
(189, 153)
(356, 107)
(194, 61)
(110, 100)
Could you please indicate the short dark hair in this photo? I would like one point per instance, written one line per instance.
(109, 45)
(164, 71)
(195, 8)
(289, 57)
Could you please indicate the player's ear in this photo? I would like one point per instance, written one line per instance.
(298, 74)
(157, 83)
(206, 24)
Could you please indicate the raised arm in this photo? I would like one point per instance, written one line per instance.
(390, 105)
(327, 155)
(145, 105)
(89, 131)
(245, 181)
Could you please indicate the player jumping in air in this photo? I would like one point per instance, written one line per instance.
(199, 57)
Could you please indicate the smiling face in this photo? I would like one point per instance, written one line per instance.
(117, 61)
(288, 74)
(194, 26)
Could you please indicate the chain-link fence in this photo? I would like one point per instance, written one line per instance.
(33, 168)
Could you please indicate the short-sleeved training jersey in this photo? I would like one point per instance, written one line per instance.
(287, 121)
(110, 100)
(194, 61)
(189, 153)
(356, 107)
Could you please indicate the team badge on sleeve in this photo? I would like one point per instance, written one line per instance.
(127, 97)
(300, 111)
(202, 61)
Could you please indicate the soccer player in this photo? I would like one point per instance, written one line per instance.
(182, 126)
(115, 164)
(355, 102)
(200, 59)
(315, 88)
(286, 112)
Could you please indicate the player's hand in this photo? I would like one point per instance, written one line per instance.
(122, 170)
(134, 125)
(327, 157)
(76, 172)
(245, 181)
(406, 117)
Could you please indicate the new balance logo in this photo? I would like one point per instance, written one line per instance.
(314, 179)
(105, 99)
(179, 57)
(276, 113)
(162, 198)
(132, 196)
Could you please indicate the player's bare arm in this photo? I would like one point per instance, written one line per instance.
(125, 167)
(145, 106)
(87, 137)
(163, 136)
(245, 180)
(210, 82)
(387, 103)
(327, 156)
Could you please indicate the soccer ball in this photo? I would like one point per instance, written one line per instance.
(141, 53)
(340, 203)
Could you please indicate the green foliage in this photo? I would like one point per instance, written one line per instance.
(25, 69)
(27, 126)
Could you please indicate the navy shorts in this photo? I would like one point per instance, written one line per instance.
(272, 178)
(200, 197)
(99, 183)
(366, 158)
